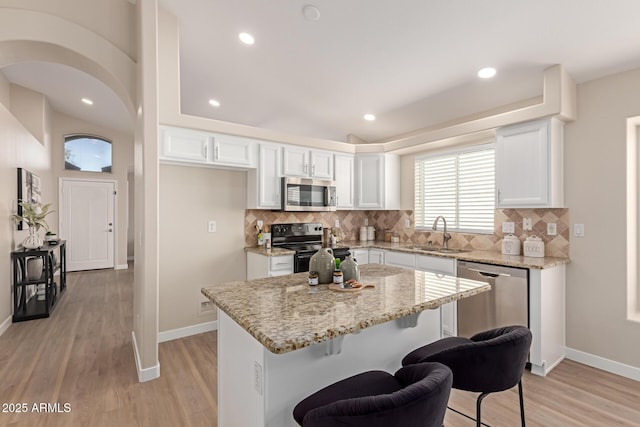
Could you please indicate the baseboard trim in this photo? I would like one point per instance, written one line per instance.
(5, 325)
(608, 365)
(121, 266)
(147, 374)
(187, 331)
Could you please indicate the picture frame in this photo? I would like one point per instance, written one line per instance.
(29, 190)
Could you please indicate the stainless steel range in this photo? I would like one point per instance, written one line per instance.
(305, 238)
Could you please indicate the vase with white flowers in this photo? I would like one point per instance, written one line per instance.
(33, 215)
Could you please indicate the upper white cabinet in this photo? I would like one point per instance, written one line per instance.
(233, 151)
(305, 163)
(185, 145)
(377, 181)
(264, 183)
(192, 146)
(529, 164)
(344, 177)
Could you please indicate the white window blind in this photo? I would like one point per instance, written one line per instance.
(458, 185)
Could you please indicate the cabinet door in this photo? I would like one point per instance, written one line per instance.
(361, 256)
(400, 259)
(321, 165)
(376, 256)
(344, 175)
(449, 317)
(295, 161)
(370, 181)
(185, 145)
(268, 178)
(522, 165)
(232, 151)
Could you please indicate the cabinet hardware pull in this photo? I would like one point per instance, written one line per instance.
(313, 169)
(206, 151)
(217, 153)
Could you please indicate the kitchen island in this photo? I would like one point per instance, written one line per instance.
(280, 339)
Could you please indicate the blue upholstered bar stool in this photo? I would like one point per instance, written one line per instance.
(488, 362)
(416, 396)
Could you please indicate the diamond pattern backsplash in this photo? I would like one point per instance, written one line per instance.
(351, 221)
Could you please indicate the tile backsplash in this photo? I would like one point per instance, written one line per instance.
(351, 221)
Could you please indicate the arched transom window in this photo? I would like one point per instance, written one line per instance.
(87, 153)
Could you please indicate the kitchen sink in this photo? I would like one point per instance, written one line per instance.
(441, 250)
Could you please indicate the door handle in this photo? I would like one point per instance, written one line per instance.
(110, 230)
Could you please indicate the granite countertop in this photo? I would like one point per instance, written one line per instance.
(487, 257)
(285, 313)
(260, 250)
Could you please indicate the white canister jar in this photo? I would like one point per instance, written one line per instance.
(363, 234)
(371, 233)
(534, 247)
(510, 245)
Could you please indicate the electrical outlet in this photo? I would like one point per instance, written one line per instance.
(508, 227)
(552, 229)
(336, 223)
(212, 226)
(578, 230)
(206, 307)
(526, 224)
(366, 221)
(257, 377)
(407, 223)
(259, 223)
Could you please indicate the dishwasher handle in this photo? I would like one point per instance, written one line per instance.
(487, 274)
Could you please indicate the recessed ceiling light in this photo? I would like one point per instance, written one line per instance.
(369, 117)
(87, 101)
(487, 73)
(214, 102)
(310, 12)
(246, 38)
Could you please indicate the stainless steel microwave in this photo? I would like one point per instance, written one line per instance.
(303, 194)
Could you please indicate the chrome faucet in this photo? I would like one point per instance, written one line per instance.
(446, 236)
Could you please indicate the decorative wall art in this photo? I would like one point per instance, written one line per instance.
(29, 190)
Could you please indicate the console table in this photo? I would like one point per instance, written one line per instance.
(35, 288)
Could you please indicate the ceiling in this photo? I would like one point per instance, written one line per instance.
(412, 63)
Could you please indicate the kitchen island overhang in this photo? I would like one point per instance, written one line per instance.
(280, 339)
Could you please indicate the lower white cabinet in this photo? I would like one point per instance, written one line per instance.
(261, 266)
(400, 259)
(376, 256)
(361, 255)
(448, 312)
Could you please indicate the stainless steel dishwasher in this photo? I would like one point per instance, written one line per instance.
(507, 303)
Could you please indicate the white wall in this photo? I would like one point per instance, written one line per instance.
(595, 193)
(122, 152)
(18, 148)
(191, 257)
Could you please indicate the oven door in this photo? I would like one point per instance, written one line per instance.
(301, 194)
(301, 261)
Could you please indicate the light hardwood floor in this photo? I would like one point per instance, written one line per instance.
(82, 356)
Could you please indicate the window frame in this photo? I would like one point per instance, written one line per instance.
(449, 153)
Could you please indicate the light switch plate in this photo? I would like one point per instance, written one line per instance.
(407, 223)
(508, 227)
(578, 230)
(336, 223)
(212, 226)
(526, 224)
(552, 229)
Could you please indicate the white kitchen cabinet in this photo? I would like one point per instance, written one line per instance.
(185, 145)
(264, 183)
(376, 256)
(233, 151)
(344, 178)
(178, 145)
(400, 259)
(377, 181)
(529, 159)
(261, 266)
(361, 255)
(448, 312)
(305, 163)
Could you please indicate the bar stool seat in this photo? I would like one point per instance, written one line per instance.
(488, 362)
(416, 396)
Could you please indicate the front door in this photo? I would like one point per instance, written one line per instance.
(86, 223)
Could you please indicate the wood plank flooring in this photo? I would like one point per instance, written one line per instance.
(82, 356)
